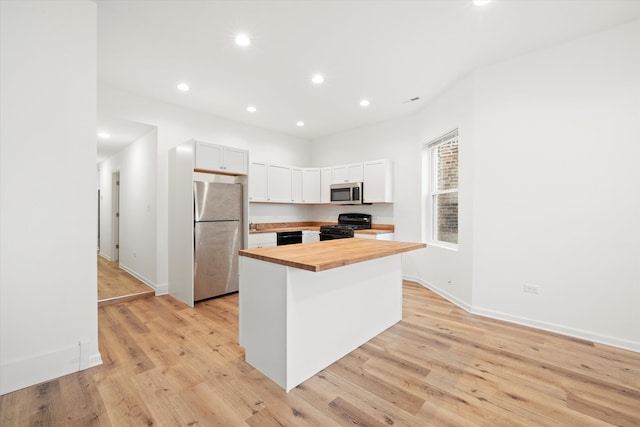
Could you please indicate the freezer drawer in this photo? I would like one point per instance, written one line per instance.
(216, 258)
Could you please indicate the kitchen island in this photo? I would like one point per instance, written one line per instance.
(304, 306)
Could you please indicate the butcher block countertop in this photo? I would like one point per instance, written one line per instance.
(328, 254)
(313, 226)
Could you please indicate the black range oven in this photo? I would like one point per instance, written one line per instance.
(346, 226)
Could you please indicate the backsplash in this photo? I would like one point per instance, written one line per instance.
(275, 212)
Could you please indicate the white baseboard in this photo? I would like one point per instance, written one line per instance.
(105, 256)
(545, 326)
(162, 289)
(44, 367)
(140, 277)
(451, 298)
(560, 329)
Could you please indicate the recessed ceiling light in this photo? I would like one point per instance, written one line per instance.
(317, 79)
(243, 40)
(104, 135)
(252, 109)
(364, 103)
(183, 87)
(480, 2)
(300, 123)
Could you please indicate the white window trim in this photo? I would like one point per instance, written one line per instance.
(430, 190)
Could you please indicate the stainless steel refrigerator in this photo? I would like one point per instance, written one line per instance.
(217, 238)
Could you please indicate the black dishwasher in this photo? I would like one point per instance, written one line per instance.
(289, 237)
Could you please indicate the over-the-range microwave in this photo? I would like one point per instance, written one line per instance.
(349, 193)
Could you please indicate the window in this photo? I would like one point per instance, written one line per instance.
(441, 173)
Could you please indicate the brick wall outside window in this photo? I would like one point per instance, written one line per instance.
(447, 204)
(443, 154)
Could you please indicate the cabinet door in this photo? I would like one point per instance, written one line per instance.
(310, 236)
(262, 240)
(279, 184)
(326, 179)
(311, 185)
(339, 174)
(296, 185)
(258, 182)
(380, 236)
(234, 161)
(208, 157)
(355, 172)
(347, 173)
(378, 182)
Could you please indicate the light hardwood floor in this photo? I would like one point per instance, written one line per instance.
(116, 285)
(166, 364)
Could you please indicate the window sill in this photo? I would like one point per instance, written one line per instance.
(443, 245)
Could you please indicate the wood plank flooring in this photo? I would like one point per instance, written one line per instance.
(166, 364)
(115, 285)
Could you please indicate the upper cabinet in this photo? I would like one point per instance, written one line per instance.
(284, 184)
(311, 185)
(347, 173)
(278, 184)
(258, 182)
(218, 158)
(296, 185)
(326, 179)
(378, 181)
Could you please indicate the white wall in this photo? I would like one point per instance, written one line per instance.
(556, 178)
(448, 271)
(177, 125)
(48, 204)
(137, 166)
(393, 139)
(548, 176)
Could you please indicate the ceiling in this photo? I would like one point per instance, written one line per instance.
(386, 51)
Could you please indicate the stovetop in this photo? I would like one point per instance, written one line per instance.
(348, 222)
(344, 227)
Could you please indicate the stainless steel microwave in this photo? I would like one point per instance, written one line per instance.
(349, 193)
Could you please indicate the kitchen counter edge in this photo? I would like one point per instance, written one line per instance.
(326, 255)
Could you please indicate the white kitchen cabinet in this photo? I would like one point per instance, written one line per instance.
(378, 181)
(263, 240)
(283, 184)
(218, 158)
(325, 184)
(297, 185)
(347, 173)
(278, 184)
(379, 236)
(310, 236)
(257, 182)
(311, 185)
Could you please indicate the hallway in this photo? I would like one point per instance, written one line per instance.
(116, 285)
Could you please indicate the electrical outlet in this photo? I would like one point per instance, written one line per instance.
(532, 289)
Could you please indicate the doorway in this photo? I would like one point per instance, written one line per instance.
(115, 226)
(115, 284)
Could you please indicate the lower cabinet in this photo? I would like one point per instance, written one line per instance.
(310, 236)
(262, 240)
(379, 236)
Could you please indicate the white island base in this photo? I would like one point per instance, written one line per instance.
(294, 322)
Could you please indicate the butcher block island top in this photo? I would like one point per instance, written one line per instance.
(328, 254)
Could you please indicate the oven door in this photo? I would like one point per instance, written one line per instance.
(324, 237)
